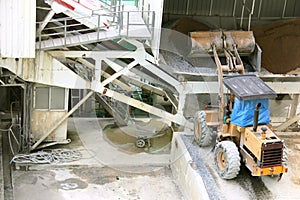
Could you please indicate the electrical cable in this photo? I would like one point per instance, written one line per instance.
(11, 132)
(48, 157)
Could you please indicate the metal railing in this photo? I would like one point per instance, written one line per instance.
(250, 11)
(121, 21)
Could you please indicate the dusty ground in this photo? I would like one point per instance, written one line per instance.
(92, 183)
(289, 186)
(133, 176)
(104, 172)
(124, 138)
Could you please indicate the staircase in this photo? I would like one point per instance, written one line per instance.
(91, 21)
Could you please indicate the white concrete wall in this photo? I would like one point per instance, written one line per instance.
(17, 28)
(189, 181)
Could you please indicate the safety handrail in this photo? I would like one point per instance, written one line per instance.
(62, 25)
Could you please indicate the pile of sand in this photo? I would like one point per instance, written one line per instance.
(185, 25)
(178, 37)
(280, 43)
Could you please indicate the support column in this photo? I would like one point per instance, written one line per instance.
(27, 100)
(294, 106)
(97, 70)
(181, 103)
(96, 82)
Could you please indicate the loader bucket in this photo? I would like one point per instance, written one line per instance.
(203, 41)
(244, 41)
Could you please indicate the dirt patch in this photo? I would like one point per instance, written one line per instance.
(293, 158)
(124, 138)
(94, 183)
(280, 43)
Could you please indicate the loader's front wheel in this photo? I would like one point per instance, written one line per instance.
(203, 134)
(227, 159)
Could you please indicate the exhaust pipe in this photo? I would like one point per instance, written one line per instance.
(256, 115)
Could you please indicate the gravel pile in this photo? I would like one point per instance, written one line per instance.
(179, 65)
(207, 178)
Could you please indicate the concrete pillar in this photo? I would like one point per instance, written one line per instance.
(294, 105)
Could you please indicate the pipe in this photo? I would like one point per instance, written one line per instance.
(250, 15)
(256, 115)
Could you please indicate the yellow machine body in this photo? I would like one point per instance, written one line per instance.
(262, 151)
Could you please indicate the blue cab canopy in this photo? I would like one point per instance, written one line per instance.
(249, 90)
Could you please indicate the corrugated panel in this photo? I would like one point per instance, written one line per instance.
(222, 8)
(269, 8)
(292, 8)
(175, 6)
(199, 7)
(17, 30)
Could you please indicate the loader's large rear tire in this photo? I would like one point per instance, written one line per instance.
(227, 159)
(203, 134)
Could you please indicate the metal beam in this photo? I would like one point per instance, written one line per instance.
(117, 82)
(259, 9)
(242, 14)
(210, 7)
(46, 20)
(195, 87)
(94, 54)
(234, 8)
(286, 124)
(284, 8)
(2, 83)
(119, 73)
(178, 119)
(115, 66)
(61, 120)
(164, 76)
(145, 86)
(294, 105)
(103, 73)
(27, 101)
(250, 15)
(285, 87)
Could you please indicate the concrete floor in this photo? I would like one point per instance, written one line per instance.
(112, 167)
(104, 172)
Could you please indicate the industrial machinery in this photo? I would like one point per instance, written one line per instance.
(243, 117)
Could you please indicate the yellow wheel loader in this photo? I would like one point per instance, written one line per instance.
(242, 119)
